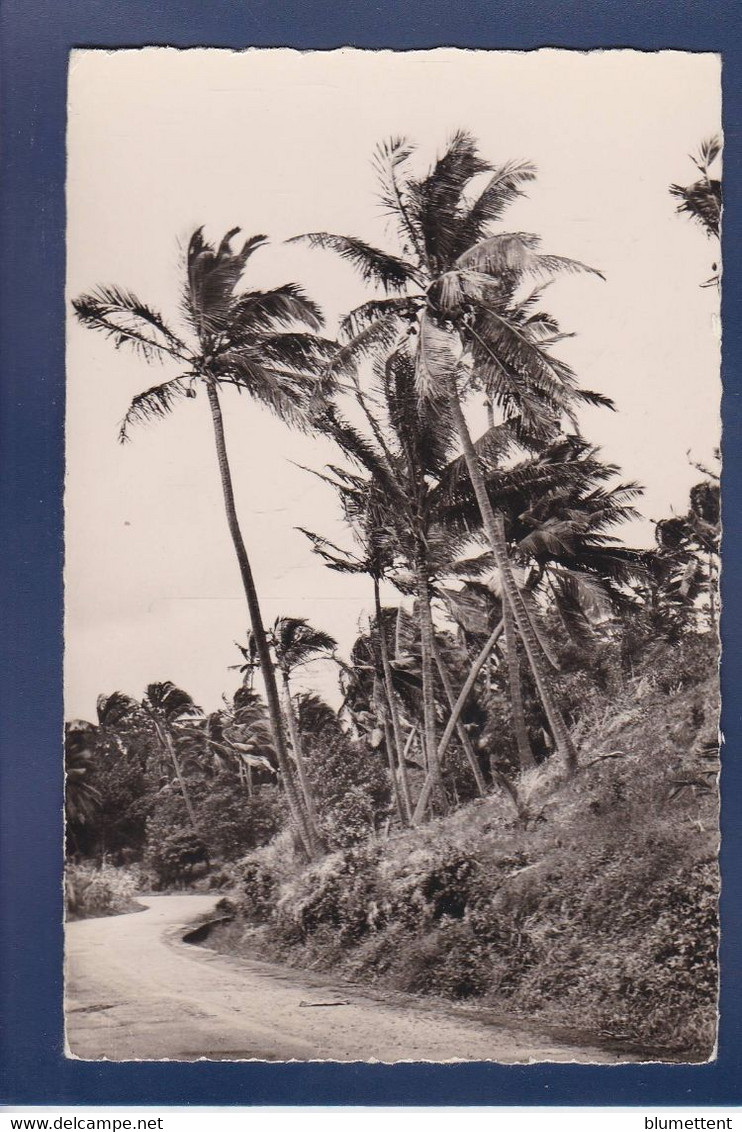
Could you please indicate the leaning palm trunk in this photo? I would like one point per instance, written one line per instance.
(392, 705)
(458, 708)
(296, 743)
(304, 825)
(388, 743)
(382, 710)
(168, 745)
(427, 645)
(460, 729)
(525, 754)
(495, 532)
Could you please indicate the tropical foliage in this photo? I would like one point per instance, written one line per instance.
(507, 618)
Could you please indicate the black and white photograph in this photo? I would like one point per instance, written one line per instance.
(392, 555)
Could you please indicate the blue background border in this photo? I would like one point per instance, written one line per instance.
(36, 36)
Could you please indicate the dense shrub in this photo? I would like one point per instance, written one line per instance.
(177, 858)
(99, 890)
(351, 786)
(233, 822)
(116, 828)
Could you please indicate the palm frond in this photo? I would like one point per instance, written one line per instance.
(519, 374)
(212, 277)
(114, 709)
(368, 314)
(374, 339)
(514, 255)
(590, 397)
(258, 311)
(708, 151)
(334, 556)
(701, 201)
(454, 482)
(389, 161)
(289, 394)
(552, 538)
(359, 449)
(474, 608)
(573, 601)
(301, 352)
(296, 642)
(374, 265)
(153, 404)
(439, 356)
(170, 701)
(505, 186)
(436, 199)
(122, 316)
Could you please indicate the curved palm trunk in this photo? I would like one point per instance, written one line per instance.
(382, 709)
(304, 826)
(494, 529)
(392, 705)
(458, 708)
(298, 750)
(166, 740)
(460, 729)
(427, 645)
(525, 754)
(388, 741)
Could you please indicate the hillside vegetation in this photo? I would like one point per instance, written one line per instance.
(599, 911)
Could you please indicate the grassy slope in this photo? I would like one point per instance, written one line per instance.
(599, 914)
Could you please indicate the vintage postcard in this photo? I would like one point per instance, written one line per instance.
(392, 555)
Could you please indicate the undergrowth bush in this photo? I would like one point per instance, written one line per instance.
(177, 859)
(99, 890)
(351, 787)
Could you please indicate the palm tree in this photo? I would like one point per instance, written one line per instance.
(557, 514)
(363, 503)
(166, 705)
(314, 715)
(686, 562)
(702, 199)
(390, 510)
(295, 644)
(237, 339)
(81, 797)
(457, 289)
(236, 737)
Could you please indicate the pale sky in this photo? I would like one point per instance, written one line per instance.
(161, 141)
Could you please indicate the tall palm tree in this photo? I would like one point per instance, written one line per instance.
(244, 339)
(391, 511)
(297, 643)
(457, 289)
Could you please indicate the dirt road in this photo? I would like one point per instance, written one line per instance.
(136, 991)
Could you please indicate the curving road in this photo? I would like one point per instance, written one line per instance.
(135, 991)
